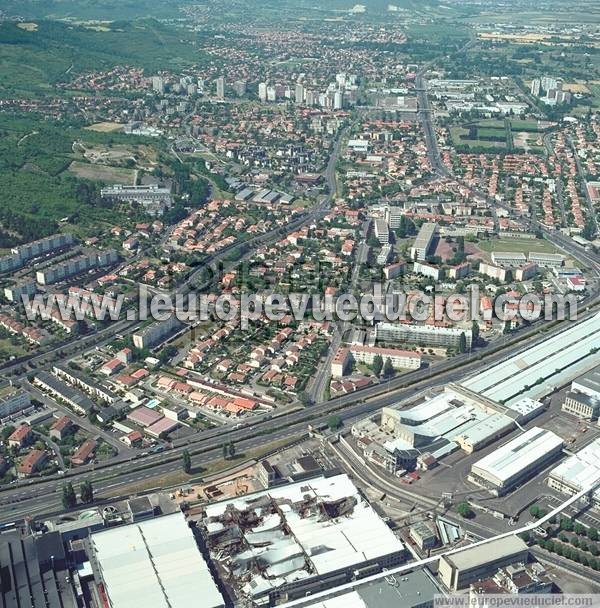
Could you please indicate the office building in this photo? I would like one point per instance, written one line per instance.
(299, 93)
(13, 400)
(423, 242)
(220, 86)
(156, 333)
(535, 87)
(382, 231)
(427, 335)
(459, 570)
(516, 461)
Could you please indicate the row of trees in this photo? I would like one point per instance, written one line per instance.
(69, 497)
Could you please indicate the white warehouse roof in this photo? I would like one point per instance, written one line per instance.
(510, 377)
(580, 470)
(518, 455)
(155, 564)
(299, 532)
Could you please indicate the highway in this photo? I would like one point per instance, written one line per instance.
(40, 495)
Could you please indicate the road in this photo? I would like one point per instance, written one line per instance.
(33, 496)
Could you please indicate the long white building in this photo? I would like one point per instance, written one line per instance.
(577, 472)
(428, 335)
(155, 564)
(516, 461)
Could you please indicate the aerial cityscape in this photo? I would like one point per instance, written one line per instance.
(299, 303)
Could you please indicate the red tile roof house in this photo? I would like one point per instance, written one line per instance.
(32, 463)
(61, 428)
(20, 437)
(112, 367)
(133, 439)
(84, 453)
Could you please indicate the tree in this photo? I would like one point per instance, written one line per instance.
(462, 345)
(388, 368)
(464, 510)
(580, 530)
(186, 462)
(231, 450)
(377, 365)
(87, 492)
(534, 511)
(334, 423)
(475, 332)
(566, 525)
(592, 534)
(7, 431)
(305, 399)
(69, 498)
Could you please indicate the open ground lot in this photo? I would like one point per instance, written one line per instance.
(102, 173)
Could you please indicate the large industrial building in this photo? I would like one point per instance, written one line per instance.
(577, 472)
(516, 461)
(34, 572)
(538, 370)
(454, 419)
(410, 590)
(155, 564)
(459, 570)
(287, 542)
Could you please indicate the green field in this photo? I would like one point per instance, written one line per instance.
(517, 245)
(103, 173)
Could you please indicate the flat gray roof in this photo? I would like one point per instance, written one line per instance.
(492, 551)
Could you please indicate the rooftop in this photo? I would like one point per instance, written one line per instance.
(155, 563)
(519, 454)
(297, 531)
(495, 549)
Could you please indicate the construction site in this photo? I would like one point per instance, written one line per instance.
(282, 543)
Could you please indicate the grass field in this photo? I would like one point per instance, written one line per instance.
(105, 127)
(103, 173)
(517, 245)
(459, 138)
